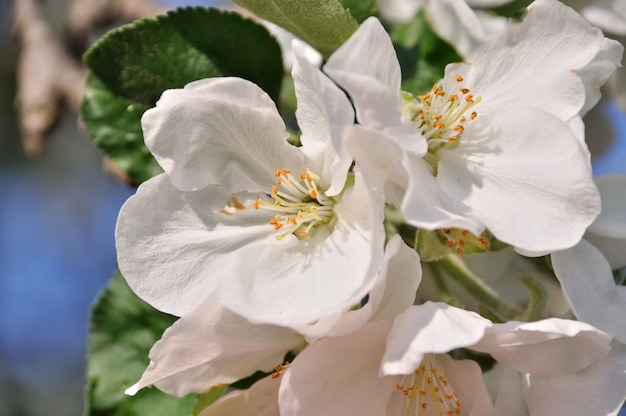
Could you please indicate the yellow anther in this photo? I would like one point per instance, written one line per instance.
(437, 117)
(274, 189)
(453, 98)
(464, 90)
(313, 193)
(469, 98)
(255, 204)
(473, 115)
(460, 129)
(439, 125)
(458, 78)
(301, 233)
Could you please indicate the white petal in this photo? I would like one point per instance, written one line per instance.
(588, 284)
(401, 278)
(393, 292)
(223, 131)
(366, 66)
(212, 346)
(329, 378)
(612, 219)
(172, 245)
(324, 115)
(609, 15)
(298, 282)
(535, 61)
(455, 22)
(466, 379)
(510, 400)
(407, 182)
(548, 348)
(259, 400)
(487, 3)
(429, 328)
(598, 71)
(399, 10)
(526, 177)
(599, 390)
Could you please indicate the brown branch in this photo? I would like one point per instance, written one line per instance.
(85, 15)
(46, 76)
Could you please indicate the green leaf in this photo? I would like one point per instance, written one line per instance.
(131, 67)
(122, 330)
(323, 24)
(113, 123)
(422, 54)
(208, 398)
(360, 9)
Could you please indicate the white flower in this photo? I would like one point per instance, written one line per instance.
(212, 346)
(280, 234)
(497, 144)
(403, 368)
(261, 399)
(585, 270)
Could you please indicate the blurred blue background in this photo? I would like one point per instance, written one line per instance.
(57, 216)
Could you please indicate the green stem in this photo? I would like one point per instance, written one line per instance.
(440, 284)
(457, 269)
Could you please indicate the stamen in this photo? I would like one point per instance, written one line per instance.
(459, 240)
(300, 205)
(427, 388)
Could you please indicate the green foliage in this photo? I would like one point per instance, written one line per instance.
(207, 399)
(131, 66)
(422, 54)
(122, 330)
(360, 9)
(323, 24)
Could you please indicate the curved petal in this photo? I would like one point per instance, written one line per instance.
(366, 66)
(295, 282)
(406, 181)
(597, 390)
(212, 346)
(429, 328)
(328, 378)
(324, 115)
(172, 245)
(598, 71)
(587, 282)
(612, 219)
(399, 10)
(467, 381)
(526, 177)
(223, 131)
(393, 292)
(551, 347)
(535, 62)
(509, 400)
(462, 27)
(609, 15)
(259, 400)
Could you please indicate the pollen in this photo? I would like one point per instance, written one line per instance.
(298, 204)
(441, 117)
(423, 391)
(461, 240)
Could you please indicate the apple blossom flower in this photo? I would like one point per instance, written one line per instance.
(212, 346)
(261, 399)
(498, 143)
(281, 234)
(403, 367)
(585, 271)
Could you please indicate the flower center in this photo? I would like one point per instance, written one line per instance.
(299, 205)
(428, 391)
(441, 115)
(462, 240)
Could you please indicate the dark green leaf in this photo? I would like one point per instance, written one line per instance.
(131, 67)
(123, 329)
(113, 123)
(323, 24)
(360, 9)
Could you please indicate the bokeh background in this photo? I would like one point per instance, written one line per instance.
(57, 216)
